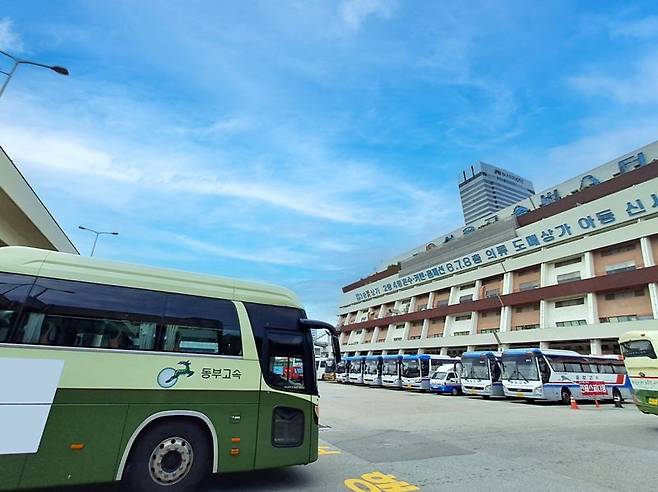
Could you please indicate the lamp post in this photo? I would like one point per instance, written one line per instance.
(98, 233)
(19, 61)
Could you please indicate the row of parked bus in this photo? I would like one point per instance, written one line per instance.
(531, 374)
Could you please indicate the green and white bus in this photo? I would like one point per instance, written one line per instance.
(154, 377)
(641, 361)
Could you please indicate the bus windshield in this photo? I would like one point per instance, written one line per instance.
(410, 368)
(390, 367)
(372, 367)
(355, 366)
(475, 369)
(638, 348)
(520, 367)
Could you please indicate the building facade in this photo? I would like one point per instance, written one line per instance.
(484, 189)
(572, 268)
(24, 219)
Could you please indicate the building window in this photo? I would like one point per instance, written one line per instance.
(381, 340)
(467, 286)
(625, 294)
(574, 322)
(624, 266)
(436, 335)
(492, 293)
(416, 337)
(527, 308)
(618, 249)
(568, 277)
(570, 261)
(441, 303)
(461, 333)
(462, 317)
(533, 284)
(397, 339)
(490, 330)
(570, 302)
(527, 327)
(618, 319)
(466, 298)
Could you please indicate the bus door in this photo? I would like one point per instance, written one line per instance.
(286, 420)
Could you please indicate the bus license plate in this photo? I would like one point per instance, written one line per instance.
(653, 401)
(519, 394)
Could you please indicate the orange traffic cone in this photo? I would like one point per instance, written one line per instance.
(573, 405)
(596, 402)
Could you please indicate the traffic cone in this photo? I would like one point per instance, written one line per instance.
(596, 402)
(573, 405)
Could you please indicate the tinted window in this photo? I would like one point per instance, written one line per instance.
(13, 291)
(286, 361)
(79, 314)
(282, 342)
(201, 325)
(638, 348)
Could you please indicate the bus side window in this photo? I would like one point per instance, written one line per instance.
(544, 370)
(286, 360)
(79, 314)
(495, 371)
(201, 325)
(424, 367)
(13, 292)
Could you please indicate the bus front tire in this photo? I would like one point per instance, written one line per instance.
(565, 396)
(169, 456)
(454, 392)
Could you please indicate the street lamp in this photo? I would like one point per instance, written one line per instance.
(18, 61)
(98, 233)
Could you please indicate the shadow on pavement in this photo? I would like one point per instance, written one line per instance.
(293, 478)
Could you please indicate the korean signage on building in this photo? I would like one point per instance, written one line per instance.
(626, 205)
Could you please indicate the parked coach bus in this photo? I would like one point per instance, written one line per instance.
(357, 364)
(342, 370)
(372, 373)
(150, 376)
(639, 349)
(481, 374)
(392, 371)
(536, 374)
(416, 369)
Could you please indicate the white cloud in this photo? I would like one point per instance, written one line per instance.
(251, 253)
(9, 40)
(642, 28)
(355, 12)
(637, 84)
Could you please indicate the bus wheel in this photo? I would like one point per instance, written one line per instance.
(169, 457)
(565, 396)
(616, 395)
(454, 392)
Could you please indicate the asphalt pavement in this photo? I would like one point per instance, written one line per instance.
(375, 439)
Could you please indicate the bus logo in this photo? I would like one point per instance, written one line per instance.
(168, 377)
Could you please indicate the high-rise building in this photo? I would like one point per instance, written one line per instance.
(572, 267)
(485, 189)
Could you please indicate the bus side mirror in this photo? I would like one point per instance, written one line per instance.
(311, 324)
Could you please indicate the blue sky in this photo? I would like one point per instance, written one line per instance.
(303, 143)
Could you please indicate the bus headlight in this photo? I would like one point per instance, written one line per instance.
(538, 390)
(487, 387)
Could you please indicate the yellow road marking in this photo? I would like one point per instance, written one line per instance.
(323, 450)
(378, 482)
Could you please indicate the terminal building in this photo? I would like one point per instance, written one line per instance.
(485, 189)
(24, 219)
(572, 267)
